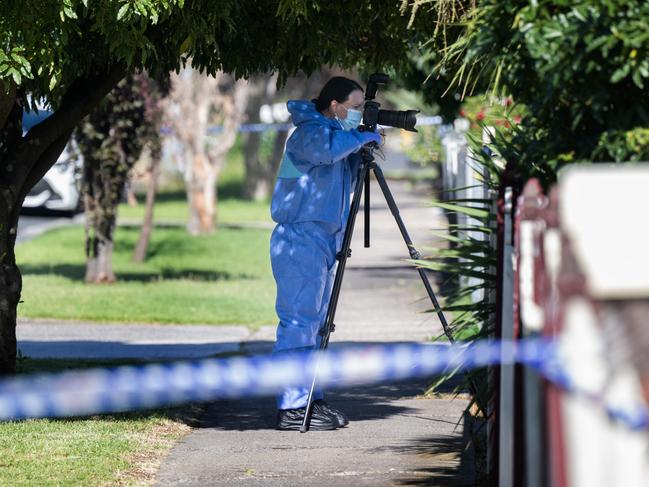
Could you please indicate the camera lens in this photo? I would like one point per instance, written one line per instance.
(400, 119)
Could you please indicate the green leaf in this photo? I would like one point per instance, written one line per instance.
(15, 74)
(637, 79)
(122, 11)
(620, 73)
(466, 210)
(437, 266)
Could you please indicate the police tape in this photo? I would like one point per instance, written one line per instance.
(632, 416)
(93, 391)
(128, 388)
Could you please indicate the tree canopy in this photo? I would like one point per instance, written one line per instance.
(580, 69)
(72, 52)
(48, 44)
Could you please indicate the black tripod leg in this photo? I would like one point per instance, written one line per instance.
(367, 209)
(414, 253)
(342, 256)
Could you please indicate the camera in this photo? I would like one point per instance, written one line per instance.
(373, 115)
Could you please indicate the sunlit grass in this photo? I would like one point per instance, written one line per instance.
(224, 278)
(123, 449)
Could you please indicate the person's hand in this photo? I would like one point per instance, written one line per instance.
(382, 135)
(368, 137)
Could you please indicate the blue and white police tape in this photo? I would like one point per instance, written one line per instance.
(94, 391)
(632, 416)
(119, 389)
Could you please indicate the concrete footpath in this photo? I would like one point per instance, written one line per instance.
(396, 437)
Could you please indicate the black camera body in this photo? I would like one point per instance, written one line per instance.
(373, 115)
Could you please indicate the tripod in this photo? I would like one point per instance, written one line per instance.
(367, 164)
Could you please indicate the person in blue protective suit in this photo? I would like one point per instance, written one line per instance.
(310, 203)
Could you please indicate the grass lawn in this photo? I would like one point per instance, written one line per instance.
(224, 278)
(172, 206)
(171, 203)
(120, 449)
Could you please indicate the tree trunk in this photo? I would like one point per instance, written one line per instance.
(10, 288)
(99, 267)
(103, 183)
(202, 193)
(197, 100)
(275, 160)
(24, 160)
(111, 141)
(261, 90)
(154, 110)
(99, 231)
(131, 199)
(139, 253)
(258, 94)
(260, 176)
(252, 165)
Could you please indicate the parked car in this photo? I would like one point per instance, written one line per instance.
(60, 188)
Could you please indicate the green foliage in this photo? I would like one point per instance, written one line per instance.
(14, 65)
(424, 75)
(490, 111)
(630, 145)
(61, 40)
(469, 262)
(46, 45)
(424, 71)
(580, 68)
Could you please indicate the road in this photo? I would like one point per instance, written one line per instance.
(31, 226)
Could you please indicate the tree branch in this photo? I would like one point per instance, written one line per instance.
(82, 96)
(10, 132)
(43, 164)
(7, 99)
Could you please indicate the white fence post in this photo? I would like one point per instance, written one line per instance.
(506, 410)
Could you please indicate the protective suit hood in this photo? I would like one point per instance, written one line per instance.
(304, 111)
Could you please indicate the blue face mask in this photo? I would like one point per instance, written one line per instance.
(352, 121)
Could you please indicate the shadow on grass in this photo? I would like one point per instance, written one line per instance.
(228, 190)
(77, 272)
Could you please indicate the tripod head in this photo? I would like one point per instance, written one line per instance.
(373, 115)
